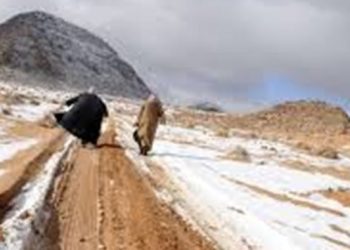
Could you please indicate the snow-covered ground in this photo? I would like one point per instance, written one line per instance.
(261, 204)
(11, 144)
(264, 203)
(37, 93)
(31, 113)
(31, 104)
(27, 213)
(9, 147)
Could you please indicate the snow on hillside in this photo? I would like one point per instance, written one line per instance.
(40, 49)
(261, 204)
(23, 111)
(29, 113)
(27, 104)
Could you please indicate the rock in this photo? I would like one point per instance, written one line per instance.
(301, 117)
(43, 50)
(238, 154)
(327, 152)
(208, 107)
(25, 215)
(6, 110)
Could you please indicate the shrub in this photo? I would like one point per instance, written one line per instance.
(238, 154)
(327, 152)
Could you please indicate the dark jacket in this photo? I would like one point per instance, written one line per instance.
(84, 119)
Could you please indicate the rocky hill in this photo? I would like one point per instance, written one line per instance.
(39, 48)
(303, 116)
(295, 121)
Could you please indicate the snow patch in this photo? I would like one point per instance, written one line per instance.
(9, 147)
(30, 201)
(31, 113)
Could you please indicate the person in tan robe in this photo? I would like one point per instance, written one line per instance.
(150, 115)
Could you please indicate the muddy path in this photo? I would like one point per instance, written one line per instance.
(26, 164)
(100, 201)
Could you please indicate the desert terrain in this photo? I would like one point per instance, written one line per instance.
(277, 179)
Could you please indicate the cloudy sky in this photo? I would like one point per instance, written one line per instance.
(226, 51)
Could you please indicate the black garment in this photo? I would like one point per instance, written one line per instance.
(84, 119)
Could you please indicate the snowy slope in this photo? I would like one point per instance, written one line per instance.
(39, 49)
(261, 204)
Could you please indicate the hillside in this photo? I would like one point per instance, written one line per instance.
(313, 125)
(40, 49)
(303, 117)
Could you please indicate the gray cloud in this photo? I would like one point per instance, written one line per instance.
(219, 50)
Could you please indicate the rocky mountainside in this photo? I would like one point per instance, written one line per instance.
(303, 116)
(290, 119)
(39, 48)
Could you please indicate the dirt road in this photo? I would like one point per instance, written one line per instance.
(100, 201)
(26, 164)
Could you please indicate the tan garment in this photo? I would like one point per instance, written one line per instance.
(147, 122)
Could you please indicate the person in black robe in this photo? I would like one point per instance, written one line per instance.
(84, 119)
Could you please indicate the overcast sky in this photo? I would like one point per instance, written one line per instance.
(227, 50)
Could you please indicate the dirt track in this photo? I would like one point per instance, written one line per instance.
(100, 201)
(28, 163)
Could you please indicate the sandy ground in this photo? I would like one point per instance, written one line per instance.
(100, 201)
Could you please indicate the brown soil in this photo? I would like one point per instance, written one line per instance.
(27, 163)
(341, 230)
(339, 173)
(101, 201)
(30, 130)
(341, 196)
(333, 241)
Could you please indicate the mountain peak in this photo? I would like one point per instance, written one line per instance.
(58, 54)
(41, 15)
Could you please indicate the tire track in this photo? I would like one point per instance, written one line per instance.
(133, 217)
(25, 166)
(100, 201)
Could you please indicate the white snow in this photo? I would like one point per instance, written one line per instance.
(31, 200)
(262, 149)
(31, 113)
(270, 174)
(247, 205)
(9, 147)
(207, 183)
